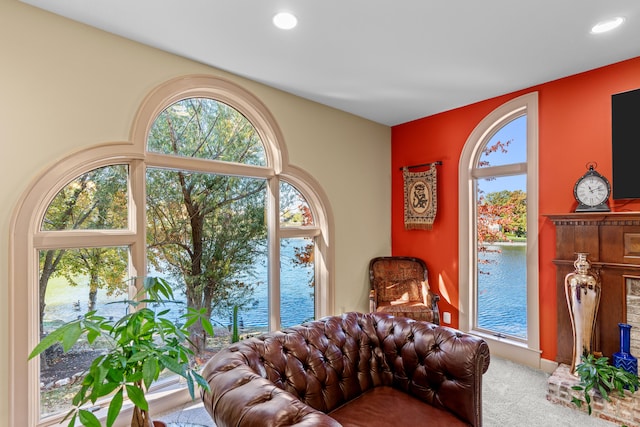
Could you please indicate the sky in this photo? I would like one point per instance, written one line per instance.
(516, 132)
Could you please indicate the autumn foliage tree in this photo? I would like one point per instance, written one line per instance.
(304, 256)
(500, 214)
(295, 211)
(511, 207)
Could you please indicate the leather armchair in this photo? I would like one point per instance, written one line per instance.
(400, 286)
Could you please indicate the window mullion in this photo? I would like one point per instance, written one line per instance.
(137, 221)
(273, 242)
(208, 166)
(83, 238)
(502, 170)
(292, 232)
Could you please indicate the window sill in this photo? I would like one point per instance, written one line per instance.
(162, 399)
(513, 350)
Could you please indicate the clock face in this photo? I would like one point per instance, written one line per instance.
(592, 190)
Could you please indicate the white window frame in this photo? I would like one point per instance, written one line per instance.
(523, 351)
(26, 237)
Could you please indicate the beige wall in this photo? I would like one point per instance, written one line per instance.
(66, 86)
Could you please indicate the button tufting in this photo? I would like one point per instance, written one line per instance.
(423, 361)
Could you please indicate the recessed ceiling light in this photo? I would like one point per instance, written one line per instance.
(608, 25)
(285, 20)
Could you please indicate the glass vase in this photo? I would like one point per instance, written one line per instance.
(582, 290)
(623, 359)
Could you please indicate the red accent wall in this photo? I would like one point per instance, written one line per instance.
(574, 128)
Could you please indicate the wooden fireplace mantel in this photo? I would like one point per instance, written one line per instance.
(612, 240)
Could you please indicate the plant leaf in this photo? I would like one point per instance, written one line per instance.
(603, 392)
(149, 371)
(106, 388)
(71, 336)
(201, 381)
(173, 365)
(92, 335)
(135, 377)
(207, 326)
(88, 419)
(137, 397)
(52, 338)
(141, 355)
(114, 407)
(190, 386)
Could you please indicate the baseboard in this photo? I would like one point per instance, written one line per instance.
(512, 350)
(520, 354)
(548, 366)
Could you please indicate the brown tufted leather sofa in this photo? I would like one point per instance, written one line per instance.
(352, 370)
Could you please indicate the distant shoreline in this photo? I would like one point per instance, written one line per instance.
(505, 244)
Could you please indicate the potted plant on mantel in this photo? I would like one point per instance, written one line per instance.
(142, 345)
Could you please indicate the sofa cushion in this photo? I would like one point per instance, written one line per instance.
(381, 406)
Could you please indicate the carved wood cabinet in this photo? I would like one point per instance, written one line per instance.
(612, 240)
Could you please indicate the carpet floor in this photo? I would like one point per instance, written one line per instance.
(513, 395)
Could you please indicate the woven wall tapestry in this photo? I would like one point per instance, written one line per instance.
(420, 198)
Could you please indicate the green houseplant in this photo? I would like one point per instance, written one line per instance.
(142, 344)
(597, 374)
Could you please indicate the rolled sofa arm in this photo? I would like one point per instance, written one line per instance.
(437, 364)
(239, 397)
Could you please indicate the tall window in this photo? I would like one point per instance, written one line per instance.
(498, 230)
(203, 197)
(500, 181)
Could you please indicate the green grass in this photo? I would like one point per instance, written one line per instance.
(59, 292)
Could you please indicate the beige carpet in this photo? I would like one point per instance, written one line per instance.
(513, 395)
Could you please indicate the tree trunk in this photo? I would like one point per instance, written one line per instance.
(140, 418)
(51, 260)
(93, 290)
(93, 296)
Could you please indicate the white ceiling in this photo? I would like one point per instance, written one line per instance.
(388, 61)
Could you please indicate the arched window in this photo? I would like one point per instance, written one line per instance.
(498, 231)
(203, 196)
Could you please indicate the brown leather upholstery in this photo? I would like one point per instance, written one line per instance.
(299, 375)
(400, 286)
(381, 404)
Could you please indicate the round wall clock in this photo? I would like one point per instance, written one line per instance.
(592, 192)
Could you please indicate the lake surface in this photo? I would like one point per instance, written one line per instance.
(502, 290)
(65, 303)
(501, 298)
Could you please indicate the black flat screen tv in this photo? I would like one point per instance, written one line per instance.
(625, 142)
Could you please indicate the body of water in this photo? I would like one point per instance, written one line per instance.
(65, 303)
(502, 302)
(502, 290)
